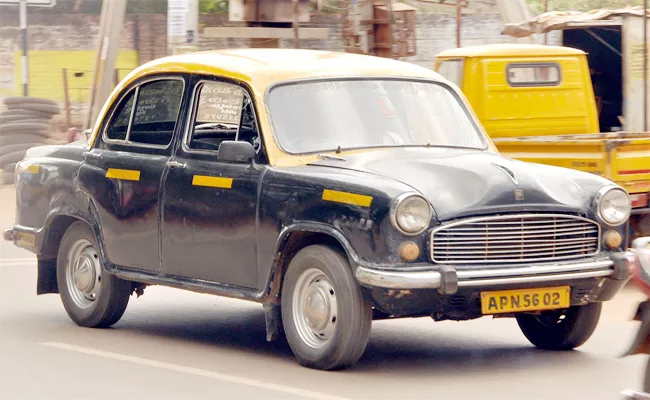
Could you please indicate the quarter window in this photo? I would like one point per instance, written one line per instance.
(153, 119)
(224, 111)
(545, 74)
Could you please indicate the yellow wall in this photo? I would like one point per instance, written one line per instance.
(46, 72)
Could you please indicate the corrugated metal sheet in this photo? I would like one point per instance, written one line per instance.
(556, 20)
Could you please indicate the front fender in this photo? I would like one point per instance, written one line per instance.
(284, 250)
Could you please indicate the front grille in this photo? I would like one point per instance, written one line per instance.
(518, 238)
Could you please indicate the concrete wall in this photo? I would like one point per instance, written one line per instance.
(70, 40)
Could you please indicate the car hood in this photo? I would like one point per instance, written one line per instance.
(461, 182)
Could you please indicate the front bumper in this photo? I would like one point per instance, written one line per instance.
(615, 268)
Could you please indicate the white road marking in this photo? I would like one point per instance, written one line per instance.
(196, 371)
(17, 262)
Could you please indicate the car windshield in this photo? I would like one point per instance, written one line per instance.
(310, 117)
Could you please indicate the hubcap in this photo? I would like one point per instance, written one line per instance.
(315, 308)
(83, 274)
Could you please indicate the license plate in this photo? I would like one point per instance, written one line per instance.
(509, 301)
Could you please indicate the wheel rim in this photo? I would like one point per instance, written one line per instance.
(314, 308)
(83, 274)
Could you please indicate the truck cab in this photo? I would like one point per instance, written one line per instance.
(548, 105)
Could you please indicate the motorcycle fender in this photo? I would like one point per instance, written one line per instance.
(641, 343)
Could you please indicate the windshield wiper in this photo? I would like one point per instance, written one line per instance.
(330, 157)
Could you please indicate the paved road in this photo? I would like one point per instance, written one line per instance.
(178, 345)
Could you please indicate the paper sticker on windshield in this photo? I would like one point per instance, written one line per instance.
(384, 106)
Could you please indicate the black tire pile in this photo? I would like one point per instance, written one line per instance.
(24, 125)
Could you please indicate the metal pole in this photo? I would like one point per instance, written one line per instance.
(66, 98)
(645, 65)
(23, 31)
(458, 21)
(296, 19)
(545, 11)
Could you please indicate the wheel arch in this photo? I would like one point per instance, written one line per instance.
(296, 237)
(57, 225)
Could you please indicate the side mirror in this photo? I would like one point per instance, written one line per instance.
(237, 152)
(86, 133)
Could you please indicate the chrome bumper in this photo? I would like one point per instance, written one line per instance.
(448, 279)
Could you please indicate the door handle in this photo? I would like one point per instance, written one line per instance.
(91, 154)
(176, 164)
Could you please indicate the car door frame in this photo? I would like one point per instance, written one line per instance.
(103, 144)
(182, 149)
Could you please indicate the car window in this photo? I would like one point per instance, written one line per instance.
(318, 116)
(120, 124)
(153, 119)
(452, 70)
(224, 112)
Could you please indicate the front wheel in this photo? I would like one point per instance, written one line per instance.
(561, 329)
(91, 297)
(325, 316)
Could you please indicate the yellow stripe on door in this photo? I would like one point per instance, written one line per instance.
(212, 181)
(123, 174)
(347, 198)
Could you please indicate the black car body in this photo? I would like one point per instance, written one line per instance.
(283, 154)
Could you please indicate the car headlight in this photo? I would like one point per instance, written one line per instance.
(411, 214)
(614, 206)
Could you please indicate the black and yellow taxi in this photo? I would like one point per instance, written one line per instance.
(335, 189)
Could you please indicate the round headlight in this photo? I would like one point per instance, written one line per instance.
(614, 206)
(411, 214)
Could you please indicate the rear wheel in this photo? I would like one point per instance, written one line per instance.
(561, 329)
(325, 316)
(91, 297)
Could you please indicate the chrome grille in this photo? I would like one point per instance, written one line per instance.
(515, 239)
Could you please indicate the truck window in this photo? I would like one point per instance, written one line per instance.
(452, 70)
(530, 75)
(153, 119)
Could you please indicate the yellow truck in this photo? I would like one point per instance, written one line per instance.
(538, 104)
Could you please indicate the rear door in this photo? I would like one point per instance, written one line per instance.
(123, 172)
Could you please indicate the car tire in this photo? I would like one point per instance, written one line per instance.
(334, 331)
(562, 329)
(91, 297)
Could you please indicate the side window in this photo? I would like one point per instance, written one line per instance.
(120, 124)
(156, 112)
(452, 70)
(153, 119)
(224, 112)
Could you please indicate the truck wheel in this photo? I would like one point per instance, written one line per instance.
(561, 329)
(325, 316)
(91, 297)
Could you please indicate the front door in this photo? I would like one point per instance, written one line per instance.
(123, 172)
(209, 214)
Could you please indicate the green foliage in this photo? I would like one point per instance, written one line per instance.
(213, 6)
(537, 6)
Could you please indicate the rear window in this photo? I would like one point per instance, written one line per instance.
(542, 74)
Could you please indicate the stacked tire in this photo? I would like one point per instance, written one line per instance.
(25, 124)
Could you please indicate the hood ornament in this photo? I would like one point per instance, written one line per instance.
(508, 172)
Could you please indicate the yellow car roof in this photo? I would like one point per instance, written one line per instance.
(263, 67)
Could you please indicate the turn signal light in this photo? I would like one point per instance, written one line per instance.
(613, 239)
(409, 251)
